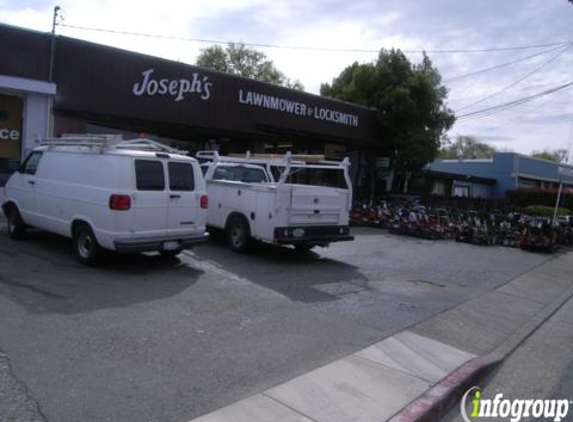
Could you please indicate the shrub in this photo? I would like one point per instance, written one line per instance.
(545, 211)
(527, 197)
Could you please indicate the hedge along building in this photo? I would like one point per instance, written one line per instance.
(99, 89)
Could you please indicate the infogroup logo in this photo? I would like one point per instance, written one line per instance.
(514, 410)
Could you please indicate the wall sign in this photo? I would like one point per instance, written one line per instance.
(270, 102)
(177, 88)
(10, 128)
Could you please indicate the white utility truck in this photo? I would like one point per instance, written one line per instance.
(277, 200)
(103, 192)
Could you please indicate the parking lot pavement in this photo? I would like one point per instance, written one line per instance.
(144, 338)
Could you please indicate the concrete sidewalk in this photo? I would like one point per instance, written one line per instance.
(416, 374)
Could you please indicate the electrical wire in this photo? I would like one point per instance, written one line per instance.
(499, 66)
(517, 102)
(519, 80)
(308, 48)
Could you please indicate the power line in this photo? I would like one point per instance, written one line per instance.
(519, 80)
(499, 66)
(517, 102)
(308, 48)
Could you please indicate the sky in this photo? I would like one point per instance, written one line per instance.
(410, 25)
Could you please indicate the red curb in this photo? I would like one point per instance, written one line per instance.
(437, 401)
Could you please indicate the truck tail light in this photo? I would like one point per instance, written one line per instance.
(120, 202)
(204, 201)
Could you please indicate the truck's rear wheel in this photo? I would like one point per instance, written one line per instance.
(238, 234)
(16, 226)
(86, 248)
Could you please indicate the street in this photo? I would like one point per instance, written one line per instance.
(148, 339)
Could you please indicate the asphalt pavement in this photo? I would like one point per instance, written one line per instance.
(148, 339)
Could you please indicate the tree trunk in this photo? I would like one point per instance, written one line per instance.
(407, 176)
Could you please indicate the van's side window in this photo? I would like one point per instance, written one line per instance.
(181, 177)
(149, 175)
(31, 164)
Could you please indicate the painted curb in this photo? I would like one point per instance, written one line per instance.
(439, 399)
(435, 403)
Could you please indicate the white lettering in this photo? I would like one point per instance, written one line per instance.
(173, 88)
(537, 409)
(258, 99)
(504, 408)
(516, 410)
(152, 87)
(177, 88)
(8, 134)
(207, 88)
(163, 86)
(270, 102)
(562, 409)
(196, 84)
(184, 87)
(140, 89)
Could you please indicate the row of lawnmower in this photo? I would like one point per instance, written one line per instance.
(494, 228)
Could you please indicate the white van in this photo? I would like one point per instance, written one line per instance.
(124, 196)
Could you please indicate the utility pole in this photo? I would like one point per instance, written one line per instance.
(563, 171)
(53, 45)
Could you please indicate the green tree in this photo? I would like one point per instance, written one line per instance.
(467, 147)
(410, 102)
(237, 59)
(557, 155)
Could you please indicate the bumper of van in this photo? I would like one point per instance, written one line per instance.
(317, 235)
(150, 245)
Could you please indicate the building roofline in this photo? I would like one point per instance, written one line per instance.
(544, 160)
(459, 176)
(465, 160)
(170, 61)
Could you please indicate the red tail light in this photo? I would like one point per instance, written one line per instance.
(204, 201)
(120, 202)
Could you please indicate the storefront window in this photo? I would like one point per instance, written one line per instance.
(10, 135)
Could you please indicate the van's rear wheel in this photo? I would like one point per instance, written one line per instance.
(16, 226)
(238, 234)
(86, 248)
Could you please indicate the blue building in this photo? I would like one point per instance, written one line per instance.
(510, 170)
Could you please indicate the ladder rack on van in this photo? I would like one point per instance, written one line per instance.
(100, 143)
(92, 142)
(149, 145)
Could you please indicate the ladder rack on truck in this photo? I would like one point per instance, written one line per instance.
(287, 162)
(255, 197)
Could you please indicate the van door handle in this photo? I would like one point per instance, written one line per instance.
(32, 182)
(172, 196)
